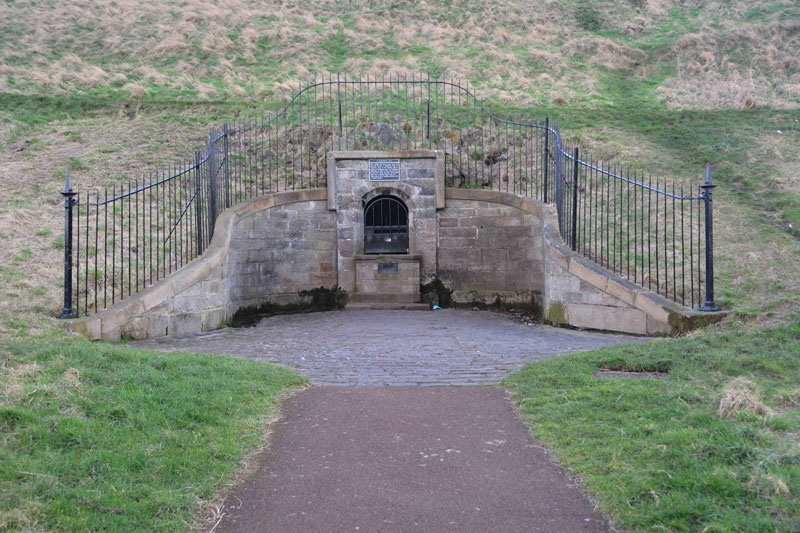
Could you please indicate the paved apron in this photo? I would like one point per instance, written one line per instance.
(447, 347)
(402, 458)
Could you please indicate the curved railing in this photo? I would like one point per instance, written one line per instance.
(123, 239)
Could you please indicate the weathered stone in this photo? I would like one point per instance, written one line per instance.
(607, 318)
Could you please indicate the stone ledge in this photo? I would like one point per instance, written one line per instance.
(664, 317)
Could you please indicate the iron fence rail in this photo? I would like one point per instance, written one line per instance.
(657, 234)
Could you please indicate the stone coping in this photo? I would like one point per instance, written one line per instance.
(679, 318)
(384, 154)
(106, 324)
(388, 257)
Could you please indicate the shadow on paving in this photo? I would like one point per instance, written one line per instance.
(402, 459)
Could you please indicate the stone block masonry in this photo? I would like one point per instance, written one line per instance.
(264, 250)
(489, 251)
(275, 253)
(486, 246)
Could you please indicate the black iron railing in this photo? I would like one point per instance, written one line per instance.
(656, 233)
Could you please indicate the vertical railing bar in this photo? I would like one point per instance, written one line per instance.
(86, 268)
(114, 244)
(150, 228)
(683, 249)
(105, 247)
(666, 226)
(658, 264)
(136, 218)
(691, 249)
(546, 156)
(674, 274)
(96, 243)
(575, 202)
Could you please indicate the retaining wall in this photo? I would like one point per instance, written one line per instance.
(242, 266)
(489, 245)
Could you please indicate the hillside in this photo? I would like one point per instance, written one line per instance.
(115, 90)
(683, 54)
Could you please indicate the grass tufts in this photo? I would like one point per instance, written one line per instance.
(741, 395)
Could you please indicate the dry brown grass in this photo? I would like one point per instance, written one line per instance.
(744, 67)
(32, 174)
(742, 395)
(254, 47)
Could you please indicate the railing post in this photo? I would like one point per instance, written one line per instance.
(575, 203)
(707, 187)
(429, 112)
(198, 204)
(211, 161)
(546, 153)
(227, 180)
(69, 202)
(339, 101)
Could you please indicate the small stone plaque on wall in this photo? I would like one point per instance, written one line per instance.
(384, 169)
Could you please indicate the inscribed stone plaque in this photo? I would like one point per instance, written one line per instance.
(384, 169)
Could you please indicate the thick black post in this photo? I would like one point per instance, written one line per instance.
(69, 202)
(227, 180)
(546, 153)
(575, 203)
(198, 206)
(707, 187)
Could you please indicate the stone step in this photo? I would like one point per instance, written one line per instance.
(384, 298)
(388, 306)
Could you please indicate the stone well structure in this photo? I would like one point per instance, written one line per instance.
(485, 246)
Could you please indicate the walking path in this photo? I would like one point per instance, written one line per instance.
(402, 458)
(406, 459)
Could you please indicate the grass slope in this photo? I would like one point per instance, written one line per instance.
(655, 452)
(102, 437)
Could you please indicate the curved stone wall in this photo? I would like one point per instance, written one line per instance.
(489, 246)
(253, 259)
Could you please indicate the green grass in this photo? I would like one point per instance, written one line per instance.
(103, 437)
(654, 452)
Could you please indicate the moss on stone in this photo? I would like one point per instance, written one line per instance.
(682, 323)
(318, 299)
(557, 314)
(437, 288)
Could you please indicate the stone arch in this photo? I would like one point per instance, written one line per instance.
(401, 190)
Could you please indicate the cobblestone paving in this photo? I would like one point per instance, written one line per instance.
(447, 347)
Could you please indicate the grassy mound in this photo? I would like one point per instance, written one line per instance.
(656, 453)
(102, 437)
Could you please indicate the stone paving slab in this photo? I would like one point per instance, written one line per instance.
(398, 348)
(406, 459)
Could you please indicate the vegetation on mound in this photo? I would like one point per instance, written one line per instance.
(712, 447)
(103, 437)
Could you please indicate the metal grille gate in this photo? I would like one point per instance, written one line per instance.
(386, 226)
